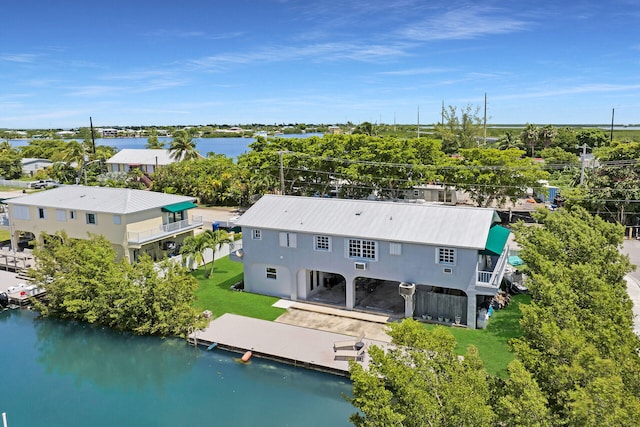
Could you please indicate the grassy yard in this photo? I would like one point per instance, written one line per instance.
(214, 293)
(492, 342)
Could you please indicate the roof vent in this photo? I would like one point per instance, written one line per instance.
(358, 213)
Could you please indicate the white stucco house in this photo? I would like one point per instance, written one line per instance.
(134, 221)
(444, 260)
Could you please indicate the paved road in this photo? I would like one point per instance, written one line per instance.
(632, 248)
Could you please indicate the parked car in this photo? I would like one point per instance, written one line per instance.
(44, 183)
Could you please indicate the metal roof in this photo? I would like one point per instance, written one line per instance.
(464, 227)
(99, 199)
(131, 156)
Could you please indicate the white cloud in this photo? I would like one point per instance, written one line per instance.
(464, 22)
(23, 58)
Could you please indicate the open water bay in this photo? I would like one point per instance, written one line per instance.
(61, 373)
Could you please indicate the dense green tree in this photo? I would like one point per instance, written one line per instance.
(43, 149)
(490, 175)
(420, 381)
(152, 141)
(10, 162)
(578, 341)
(213, 180)
(521, 402)
(85, 281)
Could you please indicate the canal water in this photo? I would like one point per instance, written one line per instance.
(230, 147)
(62, 373)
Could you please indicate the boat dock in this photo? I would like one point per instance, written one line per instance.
(295, 345)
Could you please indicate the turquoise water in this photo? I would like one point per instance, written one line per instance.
(59, 373)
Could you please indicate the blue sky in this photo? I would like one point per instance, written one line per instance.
(131, 62)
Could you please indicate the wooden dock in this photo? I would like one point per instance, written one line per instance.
(295, 345)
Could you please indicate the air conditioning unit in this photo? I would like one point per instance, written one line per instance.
(360, 265)
(407, 288)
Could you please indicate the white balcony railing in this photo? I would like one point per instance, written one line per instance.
(164, 230)
(492, 279)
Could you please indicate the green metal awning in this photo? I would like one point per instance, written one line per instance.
(178, 207)
(496, 240)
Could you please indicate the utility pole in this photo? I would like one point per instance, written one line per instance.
(582, 160)
(613, 112)
(418, 121)
(485, 119)
(93, 140)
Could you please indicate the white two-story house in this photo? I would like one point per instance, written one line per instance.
(134, 221)
(356, 254)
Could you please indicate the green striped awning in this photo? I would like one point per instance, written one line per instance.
(496, 240)
(178, 207)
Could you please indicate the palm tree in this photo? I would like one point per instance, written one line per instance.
(192, 251)
(212, 240)
(182, 147)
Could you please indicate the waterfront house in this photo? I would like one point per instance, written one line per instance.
(408, 259)
(147, 160)
(134, 221)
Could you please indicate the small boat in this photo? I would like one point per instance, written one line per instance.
(245, 357)
(212, 346)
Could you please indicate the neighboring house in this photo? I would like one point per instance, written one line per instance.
(304, 248)
(432, 193)
(134, 221)
(147, 160)
(30, 166)
(108, 133)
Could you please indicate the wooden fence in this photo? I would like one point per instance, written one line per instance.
(441, 305)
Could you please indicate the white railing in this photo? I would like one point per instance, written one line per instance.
(165, 229)
(493, 278)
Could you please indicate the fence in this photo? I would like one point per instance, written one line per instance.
(14, 183)
(441, 306)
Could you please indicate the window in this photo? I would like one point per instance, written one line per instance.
(21, 212)
(322, 243)
(72, 214)
(256, 234)
(362, 249)
(91, 218)
(61, 215)
(416, 193)
(288, 240)
(116, 219)
(271, 273)
(42, 213)
(446, 256)
(395, 248)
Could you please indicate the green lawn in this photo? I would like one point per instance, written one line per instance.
(492, 342)
(214, 293)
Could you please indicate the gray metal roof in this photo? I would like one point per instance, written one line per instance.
(131, 156)
(99, 199)
(456, 226)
